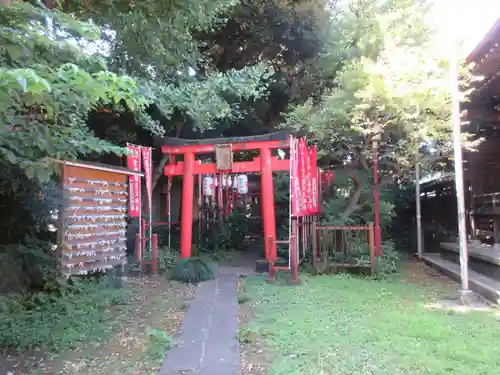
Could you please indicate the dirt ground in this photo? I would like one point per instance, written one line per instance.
(138, 347)
(418, 273)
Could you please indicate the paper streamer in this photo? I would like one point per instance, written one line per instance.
(93, 244)
(72, 236)
(99, 208)
(72, 180)
(95, 218)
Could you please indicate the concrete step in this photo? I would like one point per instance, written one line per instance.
(486, 253)
(483, 259)
(483, 285)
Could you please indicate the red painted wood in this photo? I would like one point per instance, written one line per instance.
(210, 148)
(267, 191)
(266, 164)
(187, 205)
(238, 167)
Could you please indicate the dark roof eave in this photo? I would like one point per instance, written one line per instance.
(481, 49)
(170, 141)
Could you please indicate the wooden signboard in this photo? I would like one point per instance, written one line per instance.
(224, 157)
(94, 218)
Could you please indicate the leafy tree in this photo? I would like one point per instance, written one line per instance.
(391, 94)
(45, 97)
(289, 37)
(51, 83)
(55, 81)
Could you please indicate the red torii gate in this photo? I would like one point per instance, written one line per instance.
(265, 163)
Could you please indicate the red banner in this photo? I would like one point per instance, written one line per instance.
(309, 181)
(302, 158)
(146, 160)
(134, 184)
(294, 178)
(314, 181)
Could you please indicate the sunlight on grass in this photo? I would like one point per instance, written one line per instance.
(343, 325)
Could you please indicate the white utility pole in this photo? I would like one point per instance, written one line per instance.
(459, 173)
(420, 244)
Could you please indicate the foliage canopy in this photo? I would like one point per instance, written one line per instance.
(80, 79)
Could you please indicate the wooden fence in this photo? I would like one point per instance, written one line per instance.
(343, 247)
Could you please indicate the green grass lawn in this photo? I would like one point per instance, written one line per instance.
(344, 325)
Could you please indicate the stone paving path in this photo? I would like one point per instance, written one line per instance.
(207, 342)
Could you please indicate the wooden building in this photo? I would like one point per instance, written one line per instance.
(482, 168)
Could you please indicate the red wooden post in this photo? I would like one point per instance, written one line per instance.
(187, 205)
(138, 247)
(267, 191)
(376, 202)
(154, 255)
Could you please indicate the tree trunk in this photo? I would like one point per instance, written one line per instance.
(353, 205)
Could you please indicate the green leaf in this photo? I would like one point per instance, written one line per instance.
(14, 52)
(22, 82)
(11, 157)
(30, 172)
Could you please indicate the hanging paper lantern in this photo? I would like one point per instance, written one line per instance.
(224, 180)
(229, 182)
(208, 184)
(235, 183)
(242, 184)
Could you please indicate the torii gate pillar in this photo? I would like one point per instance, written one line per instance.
(187, 205)
(267, 193)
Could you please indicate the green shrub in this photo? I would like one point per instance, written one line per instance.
(167, 258)
(27, 265)
(58, 320)
(193, 270)
(387, 264)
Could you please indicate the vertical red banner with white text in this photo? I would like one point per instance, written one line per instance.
(309, 209)
(294, 178)
(146, 160)
(134, 184)
(314, 181)
(302, 156)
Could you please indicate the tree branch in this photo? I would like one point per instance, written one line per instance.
(353, 204)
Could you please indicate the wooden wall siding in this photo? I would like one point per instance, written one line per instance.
(93, 221)
(483, 167)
